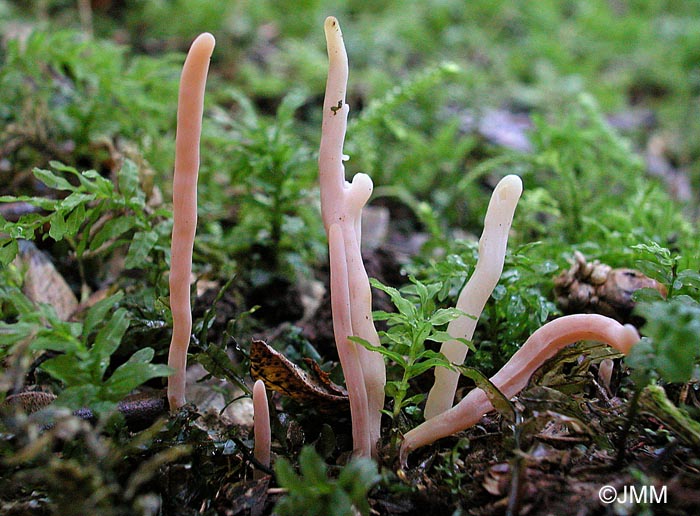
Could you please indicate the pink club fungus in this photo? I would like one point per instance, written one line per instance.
(189, 127)
(261, 427)
(472, 299)
(513, 377)
(341, 208)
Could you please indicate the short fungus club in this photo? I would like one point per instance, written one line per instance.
(261, 427)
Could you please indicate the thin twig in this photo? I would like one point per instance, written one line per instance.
(85, 14)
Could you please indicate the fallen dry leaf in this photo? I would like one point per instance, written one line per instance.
(282, 375)
(43, 283)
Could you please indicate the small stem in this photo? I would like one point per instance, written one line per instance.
(412, 354)
(622, 438)
(398, 399)
(516, 486)
(674, 275)
(517, 465)
(85, 14)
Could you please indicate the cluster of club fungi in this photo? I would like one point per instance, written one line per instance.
(341, 209)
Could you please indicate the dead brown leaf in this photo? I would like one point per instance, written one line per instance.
(281, 375)
(43, 283)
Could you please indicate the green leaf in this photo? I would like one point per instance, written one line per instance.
(58, 227)
(290, 103)
(75, 220)
(393, 388)
(404, 306)
(129, 179)
(78, 396)
(112, 229)
(286, 476)
(671, 348)
(428, 360)
(689, 278)
(381, 315)
(357, 478)
(311, 466)
(40, 202)
(8, 251)
(421, 332)
(94, 182)
(67, 369)
(416, 399)
(446, 315)
(98, 312)
(143, 355)
(12, 333)
(52, 180)
(49, 340)
(76, 199)
(141, 245)
(21, 302)
(130, 375)
(215, 360)
(396, 357)
(61, 167)
(108, 340)
(443, 336)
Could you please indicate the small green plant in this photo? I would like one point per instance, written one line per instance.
(386, 116)
(313, 493)
(663, 265)
(579, 152)
(274, 174)
(94, 216)
(60, 92)
(84, 350)
(418, 320)
(517, 307)
(670, 349)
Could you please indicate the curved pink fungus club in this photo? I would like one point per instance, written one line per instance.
(513, 377)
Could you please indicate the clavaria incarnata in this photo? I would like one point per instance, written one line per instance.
(341, 204)
(261, 427)
(341, 208)
(472, 299)
(351, 299)
(513, 377)
(189, 127)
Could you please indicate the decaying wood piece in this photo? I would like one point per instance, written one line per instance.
(140, 410)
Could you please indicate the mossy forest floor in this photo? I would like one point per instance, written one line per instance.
(596, 105)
